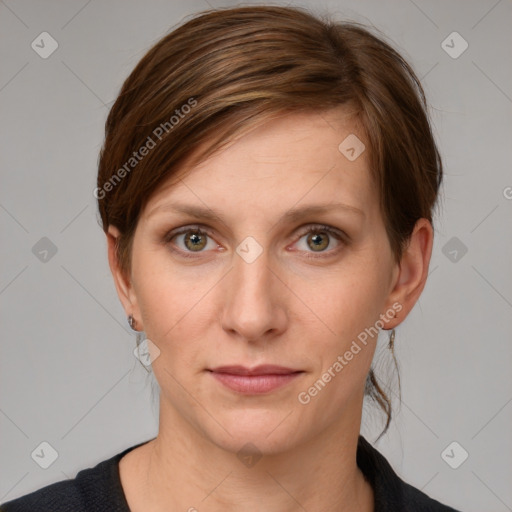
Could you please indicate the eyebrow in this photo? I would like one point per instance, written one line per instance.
(292, 215)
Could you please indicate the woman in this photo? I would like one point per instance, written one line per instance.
(266, 187)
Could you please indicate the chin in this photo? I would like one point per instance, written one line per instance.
(263, 430)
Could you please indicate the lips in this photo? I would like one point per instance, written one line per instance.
(264, 369)
(253, 381)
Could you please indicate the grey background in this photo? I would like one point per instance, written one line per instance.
(67, 372)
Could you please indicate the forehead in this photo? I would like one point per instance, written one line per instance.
(297, 157)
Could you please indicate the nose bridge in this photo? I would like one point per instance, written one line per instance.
(251, 272)
(251, 307)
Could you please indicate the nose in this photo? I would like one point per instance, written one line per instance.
(254, 300)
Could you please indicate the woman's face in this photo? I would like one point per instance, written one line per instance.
(258, 286)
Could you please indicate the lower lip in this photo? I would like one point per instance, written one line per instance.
(254, 384)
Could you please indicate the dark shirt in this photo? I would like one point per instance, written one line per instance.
(99, 489)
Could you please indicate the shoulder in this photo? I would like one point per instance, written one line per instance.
(391, 493)
(59, 496)
(94, 489)
(420, 502)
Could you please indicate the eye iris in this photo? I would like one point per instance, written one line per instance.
(196, 240)
(316, 239)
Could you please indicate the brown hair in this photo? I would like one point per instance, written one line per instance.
(227, 70)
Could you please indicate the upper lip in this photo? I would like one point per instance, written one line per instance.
(264, 369)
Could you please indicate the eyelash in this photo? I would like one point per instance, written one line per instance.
(315, 229)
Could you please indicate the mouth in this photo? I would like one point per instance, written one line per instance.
(254, 381)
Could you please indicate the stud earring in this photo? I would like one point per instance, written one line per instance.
(391, 344)
(139, 339)
(131, 323)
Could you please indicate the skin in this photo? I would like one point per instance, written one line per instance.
(283, 308)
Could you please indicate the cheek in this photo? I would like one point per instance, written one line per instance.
(349, 303)
(347, 299)
(172, 302)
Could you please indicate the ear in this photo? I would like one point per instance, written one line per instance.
(124, 287)
(412, 272)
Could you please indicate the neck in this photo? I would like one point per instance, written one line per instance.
(182, 470)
